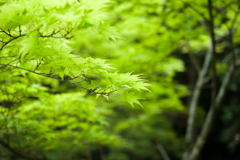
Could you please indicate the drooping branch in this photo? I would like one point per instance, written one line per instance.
(67, 81)
(41, 74)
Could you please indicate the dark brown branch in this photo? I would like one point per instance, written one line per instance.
(7, 33)
(213, 44)
(54, 33)
(41, 74)
(38, 64)
(57, 37)
(43, 36)
(4, 65)
(13, 38)
(20, 31)
(73, 83)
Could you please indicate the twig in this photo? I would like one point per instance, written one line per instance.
(4, 65)
(6, 56)
(13, 38)
(38, 64)
(73, 83)
(9, 34)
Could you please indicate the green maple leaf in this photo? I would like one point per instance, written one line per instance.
(141, 86)
(131, 98)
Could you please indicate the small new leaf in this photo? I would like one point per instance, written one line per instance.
(141, 86)
(131, 98)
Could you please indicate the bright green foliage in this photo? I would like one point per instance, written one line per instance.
(41, 37)
(39, 42)
(152, 32)
(56, 123)
(51, 49)
(145, 51)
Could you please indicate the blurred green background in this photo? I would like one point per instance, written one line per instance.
(164, 41)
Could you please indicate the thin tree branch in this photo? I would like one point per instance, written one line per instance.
(6, 56)
(41, 74)
(230, 55)
(43, 36)
(162, 152)
(4, 65)
(13, 38)
(7, 33)
(19, 30)
(211, 114)
(189, 135)
(213, 44)
(73, 83)
(194, 101)
(227, 78)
